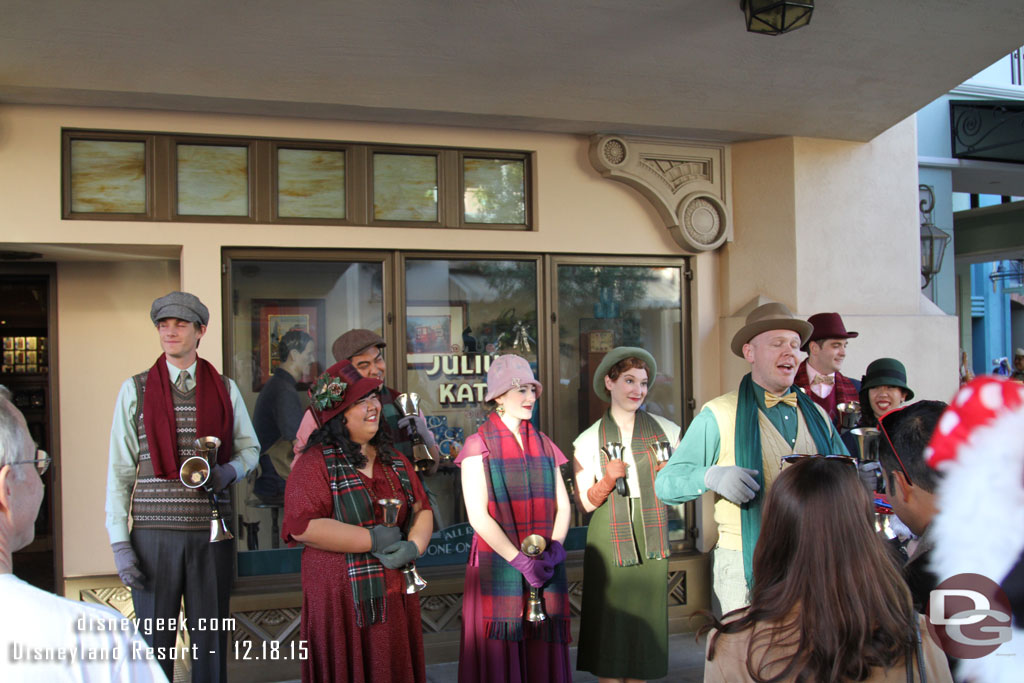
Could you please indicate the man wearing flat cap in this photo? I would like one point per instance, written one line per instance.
(365, 349)
(818, 375)
(168, 554)
(735, 444)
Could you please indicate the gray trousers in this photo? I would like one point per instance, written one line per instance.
(184, 564)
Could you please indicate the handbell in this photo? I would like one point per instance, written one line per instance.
(849, 414)
(867, 442)
(195, 473)
(614, 451)
(414, 583)
(409, 404)
(532, 546)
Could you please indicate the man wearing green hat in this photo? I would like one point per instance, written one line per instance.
(735, 444)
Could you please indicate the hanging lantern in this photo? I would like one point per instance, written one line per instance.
(772, 17)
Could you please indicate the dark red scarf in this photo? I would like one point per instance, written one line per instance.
(214, 415)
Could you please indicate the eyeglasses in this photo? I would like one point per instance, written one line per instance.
(881, 425)
(42, 461)
(797, 457)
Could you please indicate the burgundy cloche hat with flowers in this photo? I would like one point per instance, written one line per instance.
(337, 389)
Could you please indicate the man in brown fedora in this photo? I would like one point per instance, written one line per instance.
(735, 444)
(818, 375)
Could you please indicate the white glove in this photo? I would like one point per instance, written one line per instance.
(735, 483)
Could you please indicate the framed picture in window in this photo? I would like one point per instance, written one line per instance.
(274, 318)
(432, 331)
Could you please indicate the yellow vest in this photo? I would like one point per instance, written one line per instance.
(773, 447)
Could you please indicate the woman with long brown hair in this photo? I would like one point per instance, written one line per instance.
(828, 603)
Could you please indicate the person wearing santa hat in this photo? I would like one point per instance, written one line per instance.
(979, 529)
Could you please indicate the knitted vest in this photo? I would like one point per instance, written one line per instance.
(164, 503)
(773, 447)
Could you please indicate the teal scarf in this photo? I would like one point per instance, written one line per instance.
(748, 454)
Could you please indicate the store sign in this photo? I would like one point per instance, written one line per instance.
(448, 546)
(472, 367)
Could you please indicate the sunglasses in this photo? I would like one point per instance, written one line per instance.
(797, 457)
(41, 461)
(881, 426)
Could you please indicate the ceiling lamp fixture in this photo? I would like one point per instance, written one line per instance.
(772, 17)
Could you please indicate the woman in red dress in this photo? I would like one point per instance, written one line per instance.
(359, 623)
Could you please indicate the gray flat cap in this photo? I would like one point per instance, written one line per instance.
(180, 305)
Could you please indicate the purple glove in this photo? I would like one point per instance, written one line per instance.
(418, 424)
(537, 573)
(554, 555)
(222, 477)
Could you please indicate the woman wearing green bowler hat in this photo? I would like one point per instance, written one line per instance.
(624, 621)
(883, 388)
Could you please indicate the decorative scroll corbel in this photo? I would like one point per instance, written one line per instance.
(687, 182)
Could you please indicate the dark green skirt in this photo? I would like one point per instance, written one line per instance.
(624, 621)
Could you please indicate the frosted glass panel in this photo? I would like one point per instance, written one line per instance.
(108, 177)
(494, 191)
(213, 180)
(310, 183)
(404, 187)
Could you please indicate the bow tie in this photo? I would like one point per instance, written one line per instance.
(823, 379)
(771, 400)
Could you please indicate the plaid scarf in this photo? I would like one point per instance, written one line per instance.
(646, 434)
(748, 454)
(521, 499)
(214, 415)
(354, 504)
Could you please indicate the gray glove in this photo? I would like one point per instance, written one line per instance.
(397, 555)
(418, 424)
(383, 536)
(222, 476)
(735, 483)
(127, 564)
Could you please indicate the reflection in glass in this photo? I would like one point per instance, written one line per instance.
(404, 187)
(310, 183)
(325, 298)
(601, 307)
(494, 191)
(213, 180)
(108, 177)
(459, 314)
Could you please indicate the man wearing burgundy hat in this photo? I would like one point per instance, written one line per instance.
(818, 375)
(168, 554)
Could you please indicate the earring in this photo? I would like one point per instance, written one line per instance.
(500, 410)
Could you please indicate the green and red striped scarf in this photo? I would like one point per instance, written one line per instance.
(354, 504)
(521, 499)
(646, 435)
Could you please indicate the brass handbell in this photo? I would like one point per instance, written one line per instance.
(849, 414)
(414, 583)
(409, 404)
(867, 442)
(195, 473)
(614, 451)
(532, 546)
